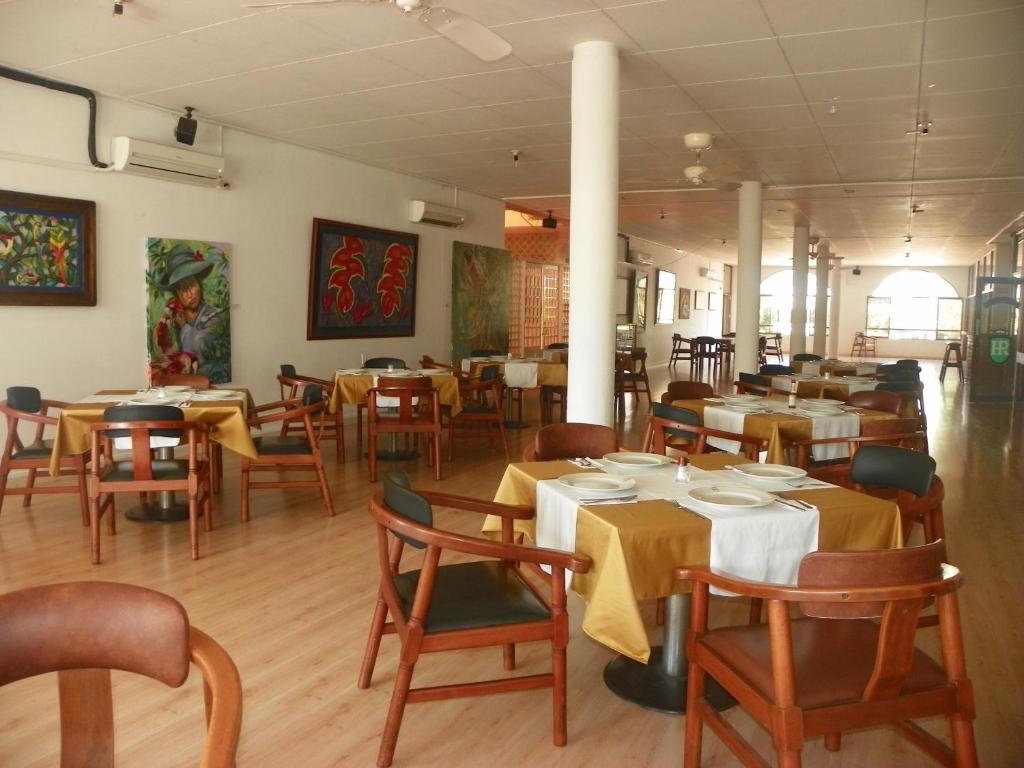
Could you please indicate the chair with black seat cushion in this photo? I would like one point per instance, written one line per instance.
(284, 454)
(704, 349)
(919, 491)
(481, 414)
(877, 400)
(681, 350)
(385, 362)
(686, 390)
(909, 363)
(26, 405)
(848, 663)
(330, 426)
(952, 358)
(570, 440)
(681, 429)
(83, 630)
(755, 384)
(806, 357)
(140, 428)
(776, 370)
(905, 433)
(409, 406)
(912, 392)
(445, 606)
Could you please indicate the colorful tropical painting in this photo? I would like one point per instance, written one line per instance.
(47, 250)
(362, 282)
(188, 307)
(480, 294)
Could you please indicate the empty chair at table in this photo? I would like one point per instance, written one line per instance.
(374, 363)
(681, 350)
(82, 631)
(847, 663)
(906, 433)
(481, 414)
(876, 400)
(704, 350)
(449, 606)
(754, 384)
(631, 376)
(552, 395)
(571, 440)
(406, 405)
(25, 405)
(773, 346)
(686, 390)
(330, 426)
(681, 429)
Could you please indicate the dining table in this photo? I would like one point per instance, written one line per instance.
(522, 373)
(780, 425)
(827, 385)
(636, 542)
(834, 367)
(223, 411)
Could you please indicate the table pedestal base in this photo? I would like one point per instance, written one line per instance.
(397, 455)
(155, 513)
(649, 686)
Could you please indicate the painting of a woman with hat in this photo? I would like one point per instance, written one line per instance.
(188, 318)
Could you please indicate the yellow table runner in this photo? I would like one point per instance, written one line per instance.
(634, 547)
(351, 390)
(549, 373)
(226, 421)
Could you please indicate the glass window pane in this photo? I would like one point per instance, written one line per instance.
(950, 318)
(878, 317)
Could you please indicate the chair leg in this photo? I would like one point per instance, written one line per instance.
(399, 697)
(371, 455)
(193, 526)
(693, 729)
(504, 439)
(965, 750)
(324, 490)
(245, 490)
(83, 492)
(437, 455)
(380, 616)
(26, 500)
(558, 696)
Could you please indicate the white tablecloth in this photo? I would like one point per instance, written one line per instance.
(847, 425)
(522, 375)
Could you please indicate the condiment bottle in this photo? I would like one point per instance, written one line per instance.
(683, 470)
(792, 393)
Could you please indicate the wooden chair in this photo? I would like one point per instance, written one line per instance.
(552, 395)
(834, 669)
(681, 350)
(875, 400)
(136, 426)
(912, 393)
(863, 345)
(481, 411)
(450, 606)
(82, 630)
(194, 380)
(754, 384)
(374, 363)
(903, 433)
(636, 379)
(283, 454)
(571, 440)
(679, 428)
(911, 475)
(773, 346)
(686, 390)
(704, 349)
(26, 405)
(762, 350)
(330, 426)
(952, 358)
(413, 408)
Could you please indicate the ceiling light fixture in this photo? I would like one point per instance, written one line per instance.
(922, 129)
(515, 158)
(907, 239)
(661, 215)
(833, 107)
(118, 7)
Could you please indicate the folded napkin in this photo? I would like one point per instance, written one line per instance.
(728, 421)
(521, 375)
(847, 425)
(859, 386)
(762, 544)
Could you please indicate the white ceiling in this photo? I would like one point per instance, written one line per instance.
(376, 85)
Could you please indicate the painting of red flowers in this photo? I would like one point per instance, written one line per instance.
(47, 250)
(362, 282)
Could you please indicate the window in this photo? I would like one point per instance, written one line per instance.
(777, 303)
(666, 309)
(914, 304)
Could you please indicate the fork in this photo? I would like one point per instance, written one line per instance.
(608, 499)
(583, 461)
(793, 503)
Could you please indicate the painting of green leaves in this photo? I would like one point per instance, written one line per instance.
(188, 308)
(480, 295)
(47, 250)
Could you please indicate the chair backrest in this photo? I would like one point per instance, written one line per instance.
(558, 345)
(573, 439)
(776, 370)
(752, 383)
(83, 630)
(876, 400)
(194, 380)
(124, 439)
(676, 413)
(287, 369)
(686, 390)
(26, 399)
(893, 467)
(909, 363)
(806, 357)
(384, 362)
(897, 386)
(398, 495)
(312, 393)
(485, 352)
(406, 390)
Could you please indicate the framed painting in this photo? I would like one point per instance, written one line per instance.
(47, 250)
(714, 301)
(684, 303)
(700, 299)
(640, 302)
(362, 282)
(480, 298)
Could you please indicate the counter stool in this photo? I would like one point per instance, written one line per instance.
(948, 361)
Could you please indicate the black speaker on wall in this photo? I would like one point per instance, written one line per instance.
(185, 132)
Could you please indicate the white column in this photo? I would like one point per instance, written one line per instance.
(594, 222)
(821, 299)
(836, 283)
(748, 277)
(798, 317)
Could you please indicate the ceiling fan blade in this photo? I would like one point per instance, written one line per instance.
(285, 3)
(721, 171)
(466, 33)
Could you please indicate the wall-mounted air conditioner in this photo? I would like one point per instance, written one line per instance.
(424, 212)
(712, 273)
(163, 162)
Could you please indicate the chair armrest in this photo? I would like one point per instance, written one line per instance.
(289, 414)
(37, 418)
(47, 404)
(511, 511)
(313, 380)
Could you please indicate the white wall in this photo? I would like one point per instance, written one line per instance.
(657, 339)
(853, 304)
(277, 191)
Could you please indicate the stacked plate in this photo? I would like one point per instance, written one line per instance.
(597, 481)
(351, 371)
(821, 407)
(745, 407)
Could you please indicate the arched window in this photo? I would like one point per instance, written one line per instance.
(777, 303)
(915, 304)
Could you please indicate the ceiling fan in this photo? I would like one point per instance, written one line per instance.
(465, 32)
(698, 174)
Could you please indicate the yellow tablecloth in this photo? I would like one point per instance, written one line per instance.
(549, 374)
(780, 428)
(351, 390)
(634, 547)
(226, 420)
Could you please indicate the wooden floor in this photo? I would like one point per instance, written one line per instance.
(289, 595)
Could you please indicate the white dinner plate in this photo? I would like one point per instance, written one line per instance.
(157, 400)
(170, 389)
(739, 398)
(631, 460)
(597, 481)
(431, 372)
(730, 496)
(402, 374)
(769, 471)
(823, 403)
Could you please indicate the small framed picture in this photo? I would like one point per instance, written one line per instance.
(700, 299)
(684, 303)
(714, 301)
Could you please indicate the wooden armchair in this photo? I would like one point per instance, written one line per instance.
(910, 475)
(409, 406)
(686, 390)
(631, 375)
(754, 384)
(450, 606)
(282, 454)
(571, 440)
(83, 630)
(194, 380)
(904, 433)
(330, 426)
(26, 405)
(786, 676)
(875, 400)
(680, 428)
(481, 414)
(681, 350)
(137, 426)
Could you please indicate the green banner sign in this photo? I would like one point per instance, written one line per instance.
(999, 349)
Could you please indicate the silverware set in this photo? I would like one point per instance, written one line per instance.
(609, 499)
(793, 503)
